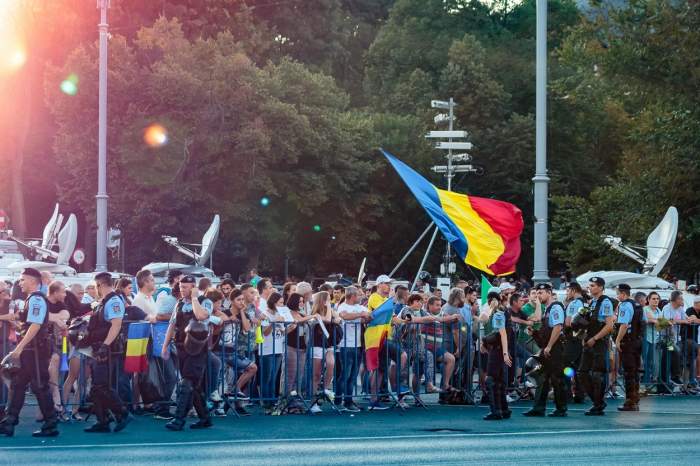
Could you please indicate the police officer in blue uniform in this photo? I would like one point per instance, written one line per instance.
(496, 342)
(593, 366)
(104, 331)
(33, 353)
(189, 324)
(572, 345)
(551, 356)
(629, 341)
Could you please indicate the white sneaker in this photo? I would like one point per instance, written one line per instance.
(215, 397)
(329, 394)
(315, 409)
(293, 393)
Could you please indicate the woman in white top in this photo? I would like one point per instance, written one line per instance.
(272, 348)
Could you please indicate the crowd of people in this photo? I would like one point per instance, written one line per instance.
(299, 349)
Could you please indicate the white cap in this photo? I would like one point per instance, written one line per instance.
(383, 279)
(505, 287)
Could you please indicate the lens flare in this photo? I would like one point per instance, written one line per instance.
(17, 59)
(569, 372)
(155, 135)
(70, 84)
(265, 201)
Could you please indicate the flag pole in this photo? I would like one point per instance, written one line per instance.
(412, 248)
(425, 258)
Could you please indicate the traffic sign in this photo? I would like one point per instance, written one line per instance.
(454, 145)
(455, 169)
(446, 134)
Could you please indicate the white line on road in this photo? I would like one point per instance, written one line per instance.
(345, 439)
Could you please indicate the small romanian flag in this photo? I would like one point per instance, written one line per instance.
(485, 233)
(376, 333)
(137, 347)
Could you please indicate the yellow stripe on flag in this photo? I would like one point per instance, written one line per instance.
(484, 246)
(136, 347)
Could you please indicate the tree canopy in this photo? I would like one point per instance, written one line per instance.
(288, 101)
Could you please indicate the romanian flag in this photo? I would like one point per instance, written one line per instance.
(376, 333)
(485, 233)
(136, 348)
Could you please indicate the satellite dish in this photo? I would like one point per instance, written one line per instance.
(660, 242)
(48, 237)
(361, 274)
(66, 240)
(209, 241)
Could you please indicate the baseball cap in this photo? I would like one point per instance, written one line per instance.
(597, 280)
(506, 287)
(188, 279)
(383, 279)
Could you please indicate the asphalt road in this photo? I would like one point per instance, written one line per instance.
(666, 431)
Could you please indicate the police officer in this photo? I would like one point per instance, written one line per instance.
(552, 355)
(190, 326)
(33, 353)
(629, 341)
(595, 346)
(104, 332)
(496, 343)
(572, 345)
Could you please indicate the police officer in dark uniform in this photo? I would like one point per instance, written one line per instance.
(629, 341)
(190, 326)
(572, 344)
(32, 353)
(552, 355)
(496, 343)
(593, 366)
(104, 332)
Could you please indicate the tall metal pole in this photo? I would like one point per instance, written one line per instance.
(101, 256)
(541, 180)
(449, 180)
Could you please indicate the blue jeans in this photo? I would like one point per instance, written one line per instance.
(269, 367)
(213, 372)
(350, 360)
(651, 361)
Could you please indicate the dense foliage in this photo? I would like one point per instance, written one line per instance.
(289, 101)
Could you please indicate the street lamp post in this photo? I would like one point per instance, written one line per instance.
(541, 180)
(101, 256)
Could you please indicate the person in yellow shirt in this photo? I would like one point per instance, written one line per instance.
(377, 298)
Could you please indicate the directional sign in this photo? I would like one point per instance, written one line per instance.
(455, 169)
(454, 145)
(446, 134)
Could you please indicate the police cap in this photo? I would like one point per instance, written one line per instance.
(188, 279)
(32, 272)
(597, 280)
(543, 286)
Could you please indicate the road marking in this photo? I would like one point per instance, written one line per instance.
(345, 439)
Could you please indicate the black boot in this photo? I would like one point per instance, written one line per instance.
(7, 426)
(49, 428)
(175, 424)
(202, 424)
(493, 400)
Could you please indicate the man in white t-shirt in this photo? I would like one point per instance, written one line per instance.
(144, 298)
(350, 346)
(265, 289)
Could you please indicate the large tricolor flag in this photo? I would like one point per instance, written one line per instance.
(136, 347)
(485, 233)
(376, 333)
